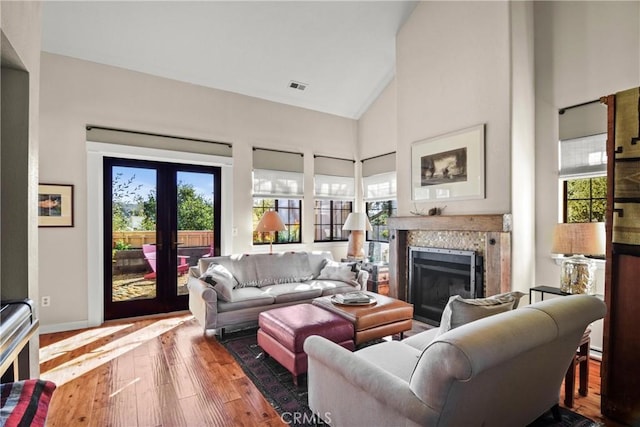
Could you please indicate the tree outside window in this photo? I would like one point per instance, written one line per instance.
(378, 213)
(585, 199)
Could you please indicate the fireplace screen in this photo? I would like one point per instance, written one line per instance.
(437, 274)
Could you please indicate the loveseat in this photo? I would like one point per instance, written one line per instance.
(230, 291)
(502, 370)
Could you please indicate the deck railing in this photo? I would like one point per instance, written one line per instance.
(186, 238)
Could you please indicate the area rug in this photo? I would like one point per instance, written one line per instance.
(289, 400)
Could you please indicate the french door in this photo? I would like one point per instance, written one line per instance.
(159, 219)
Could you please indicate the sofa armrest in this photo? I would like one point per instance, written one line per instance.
(367, 392)
(203, 302)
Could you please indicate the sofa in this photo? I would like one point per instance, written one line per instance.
(231, 291)
(501, 370)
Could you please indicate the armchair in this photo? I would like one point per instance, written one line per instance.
(502, 370)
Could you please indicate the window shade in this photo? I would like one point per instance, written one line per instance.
(584, 120)
(334, 187)
(277, 160)
(380, 187)
(583, 156)
(379, 164)
(332, 166)
(276, 183)
(165, 142)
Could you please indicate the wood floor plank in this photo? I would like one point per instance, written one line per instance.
(147, 401)
(178, 378)
(260, 408)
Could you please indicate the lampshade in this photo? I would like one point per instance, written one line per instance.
(577, 274)
(586, 238)
(357, 221)
(270, 221)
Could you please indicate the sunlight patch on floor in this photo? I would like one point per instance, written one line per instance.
(80, 340)
(81, 365)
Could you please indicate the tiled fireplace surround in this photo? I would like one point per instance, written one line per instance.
(489, 235)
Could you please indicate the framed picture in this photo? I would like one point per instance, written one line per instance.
(449, 167)
(55, 205)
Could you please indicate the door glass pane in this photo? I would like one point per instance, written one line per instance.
(133, 233)
(195, 222)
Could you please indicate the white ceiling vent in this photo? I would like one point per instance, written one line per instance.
(297, 85)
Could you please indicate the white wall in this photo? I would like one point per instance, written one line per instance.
(583, 50)
(20, 23)
(452, 72)
(378, 126)
(75, 93)
(522, 147)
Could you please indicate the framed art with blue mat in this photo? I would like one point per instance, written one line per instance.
(290, 401)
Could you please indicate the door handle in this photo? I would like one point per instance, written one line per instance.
(159, 241)
(174, 240)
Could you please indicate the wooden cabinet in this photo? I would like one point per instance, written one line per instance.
(620, 382)
(378, 278)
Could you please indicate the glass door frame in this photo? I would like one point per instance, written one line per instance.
(166, 299)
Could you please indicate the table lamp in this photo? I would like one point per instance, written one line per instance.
(357, 223)
(269, 223)
(578, 239)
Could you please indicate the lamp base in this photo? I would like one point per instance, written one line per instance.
(355, 248)
(577, 275)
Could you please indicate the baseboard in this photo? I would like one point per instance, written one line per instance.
(63, 327)
(595, 353)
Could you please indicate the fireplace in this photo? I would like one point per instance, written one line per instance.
(436, 274)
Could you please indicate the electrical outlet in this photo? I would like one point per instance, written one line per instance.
(234, 231)
(45, 302)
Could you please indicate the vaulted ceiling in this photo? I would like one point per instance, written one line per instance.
(342, 52)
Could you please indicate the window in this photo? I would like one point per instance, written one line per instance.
(585, 199)
(289, 210)
(330, 216)
(278, 184)
(378, 212)
(583, 162)
(334, 190)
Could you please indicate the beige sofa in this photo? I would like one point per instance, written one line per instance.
(503, 370)
(241, 286)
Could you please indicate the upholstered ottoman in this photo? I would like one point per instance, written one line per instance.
(283, 331)
(388, 316)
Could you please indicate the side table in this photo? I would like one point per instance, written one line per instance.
(582, 360)
(545, 290)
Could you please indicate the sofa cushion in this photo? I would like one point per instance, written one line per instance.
(288, 267)
(344, 271)
(331, 287)
(392, 356)
(246, 298)
(288, 292)
(459, 311)
(317, 260)
(221, 279)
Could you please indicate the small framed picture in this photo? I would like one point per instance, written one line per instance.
(55, 205)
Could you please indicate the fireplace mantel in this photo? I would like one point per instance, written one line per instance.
(493, 231)
(487, 223)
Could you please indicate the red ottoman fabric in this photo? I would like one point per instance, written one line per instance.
(283, 331)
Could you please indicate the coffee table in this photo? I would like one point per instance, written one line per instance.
(387, 316)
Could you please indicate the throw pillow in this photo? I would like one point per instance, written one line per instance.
(221, 280)
(344, 271)
(459, 311)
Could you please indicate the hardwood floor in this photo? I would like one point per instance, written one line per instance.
(164, 372)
